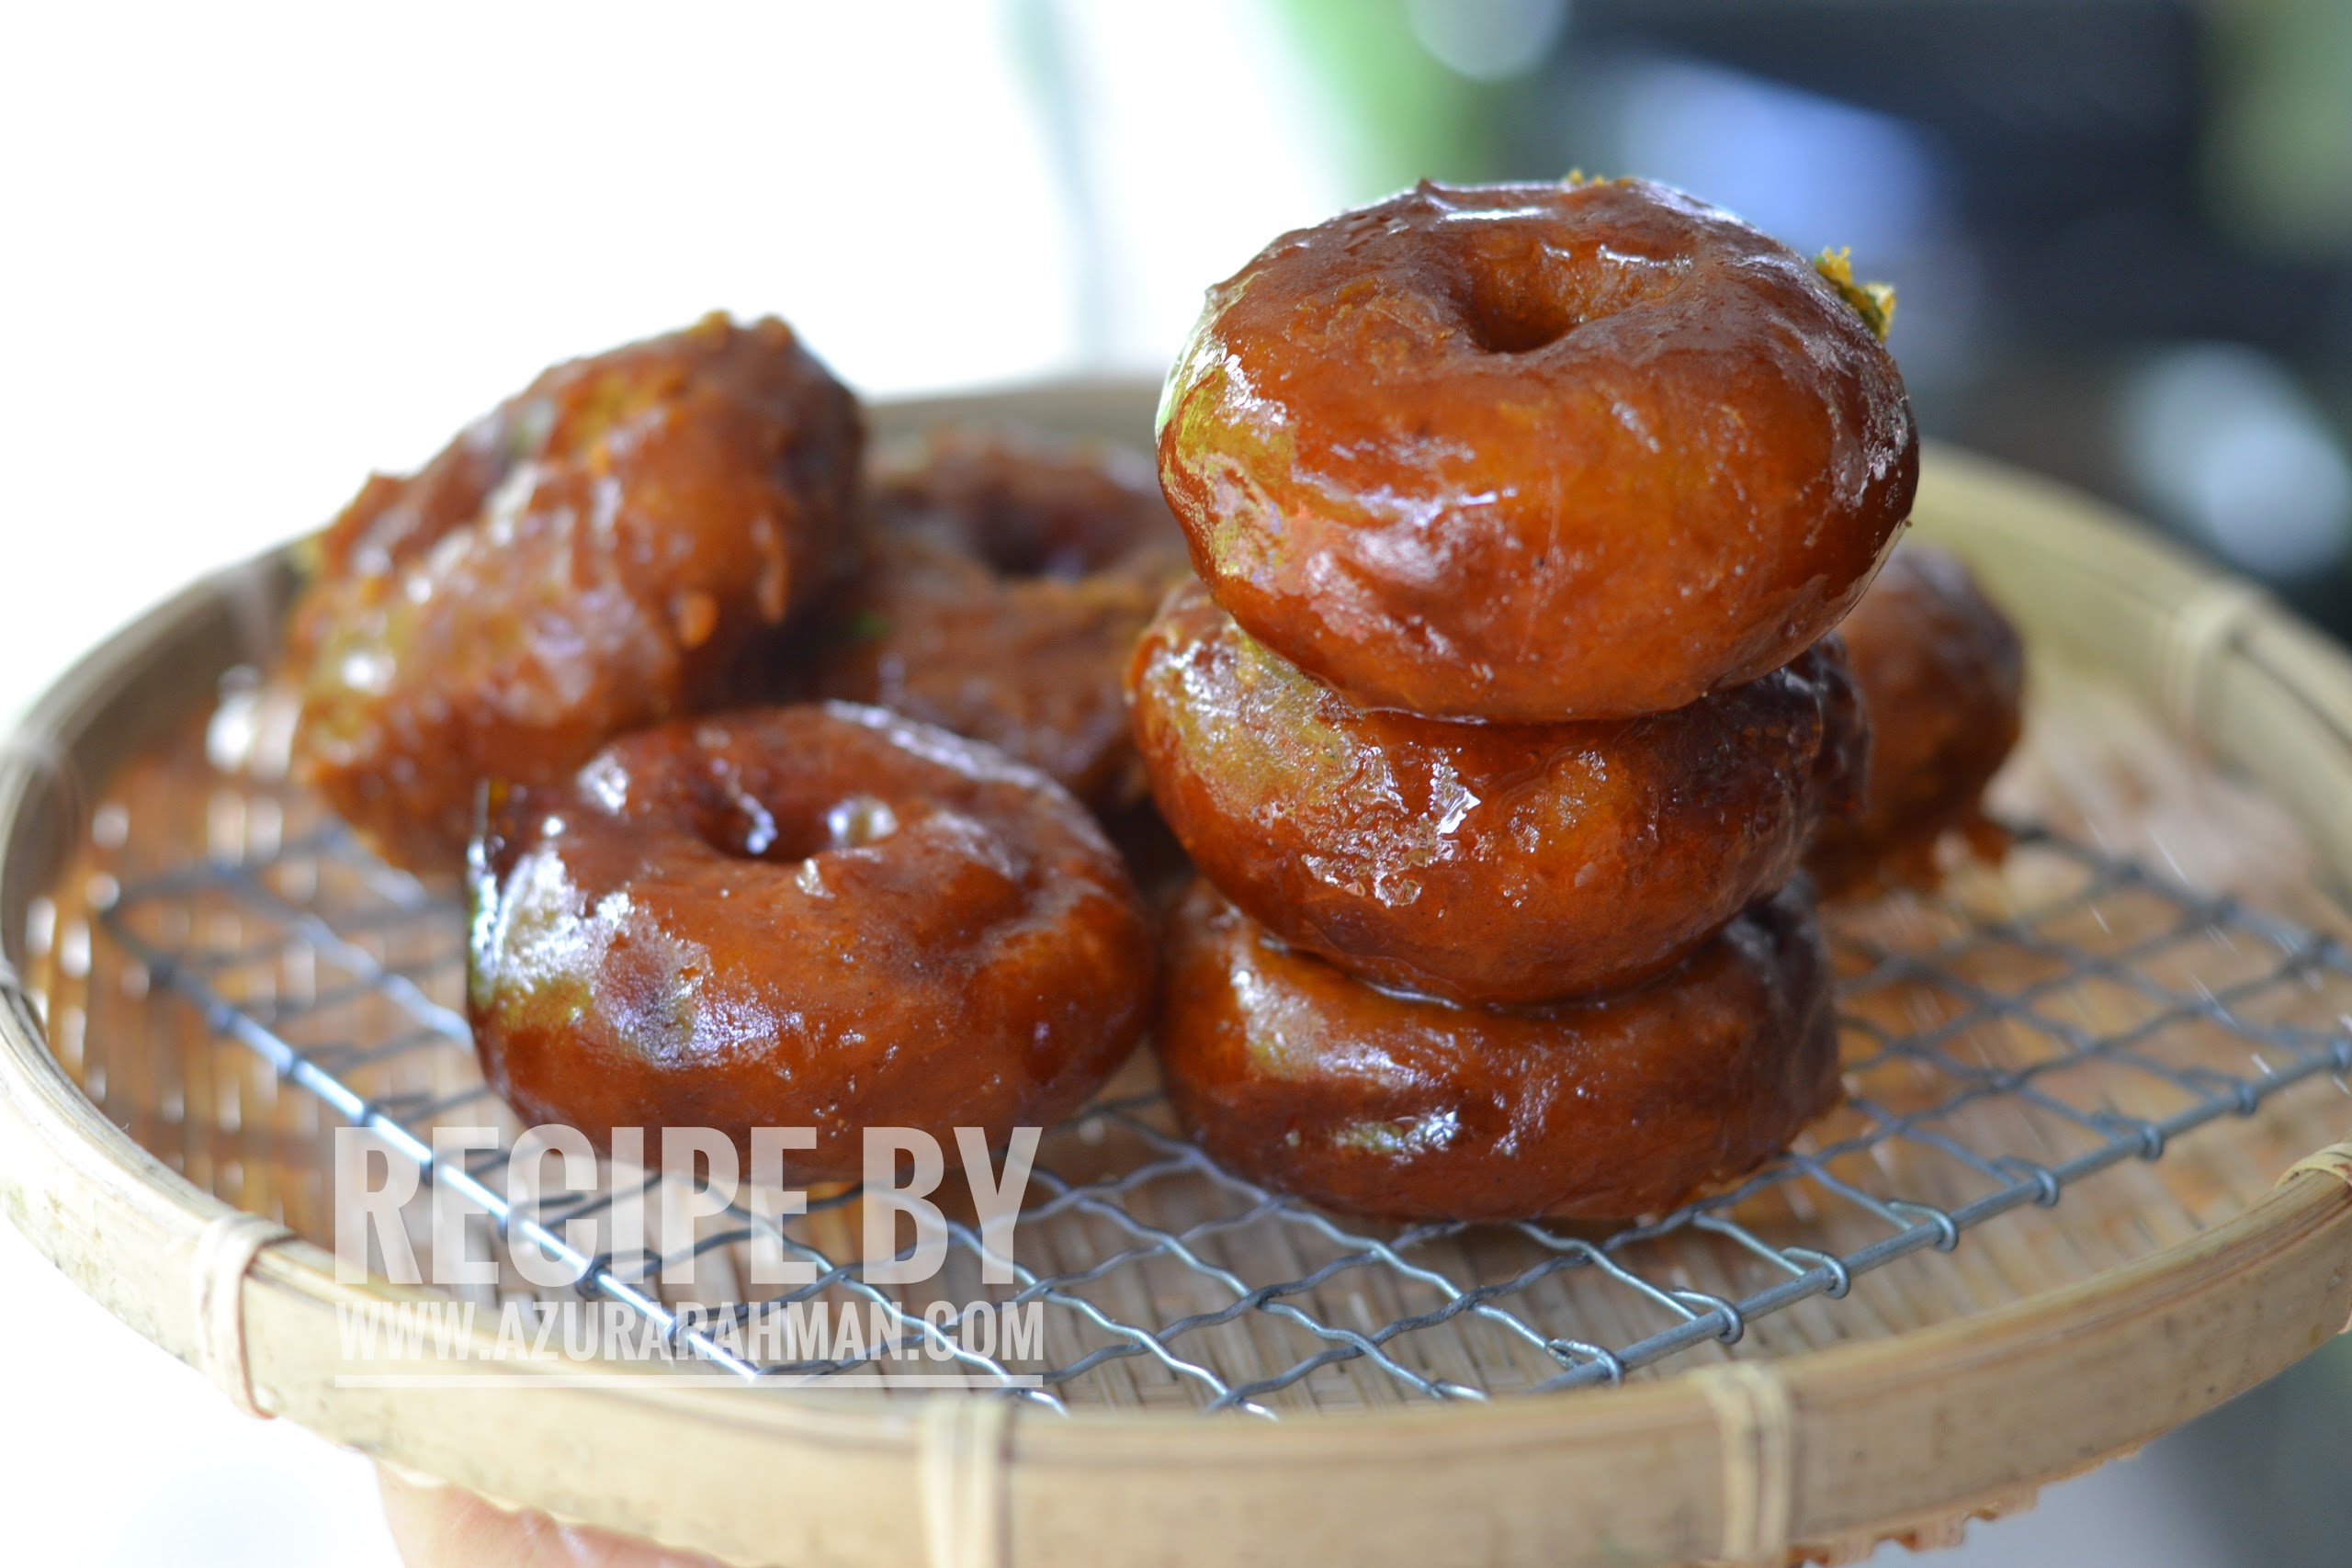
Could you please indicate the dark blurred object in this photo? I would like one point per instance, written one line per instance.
(2122, 229)
(2070, 132)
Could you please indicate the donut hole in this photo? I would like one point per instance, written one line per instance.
(1505, 316)
(1518, 304)
(1046, 531)
(1027, 537)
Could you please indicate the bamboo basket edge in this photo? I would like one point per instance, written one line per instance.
(2264, 690)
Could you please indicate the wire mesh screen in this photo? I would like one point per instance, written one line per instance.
(2006, 1040)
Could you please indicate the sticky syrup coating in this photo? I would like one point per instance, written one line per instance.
(1026, 504)
(1007, 577)
(1536, 453)
(1942, 672)
(594, 555)
(822, 916)
(1484, 863)
(1294, 1075)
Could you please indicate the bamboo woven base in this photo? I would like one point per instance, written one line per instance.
(1942, 1383)
(216, 1114)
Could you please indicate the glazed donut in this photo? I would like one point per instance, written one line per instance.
(1027, 504)
(1943, 674)
(824, 916)
(1292, 1075)
(1534, 452)
(1484, 863)
(594, 555)
(1006, 580)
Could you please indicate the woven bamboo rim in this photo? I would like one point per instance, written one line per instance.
(1825, 1451)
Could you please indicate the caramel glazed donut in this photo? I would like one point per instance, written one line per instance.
(1536, 453)
(596, 555)
(1484, 863)
(1294, 1075)
(1943, 672)
(825, 916)
(1005, 579)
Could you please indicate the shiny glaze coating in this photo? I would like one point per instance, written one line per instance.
(1006, 580)
(1484, 863)
(1534, 452)
(824, 916)
(1292, 1075)
(1029, 665)
(1027, 504)
(1943, 674)
(594, 555)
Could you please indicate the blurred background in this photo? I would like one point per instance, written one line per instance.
(247, 254)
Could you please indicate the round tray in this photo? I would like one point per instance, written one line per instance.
(2188, 765)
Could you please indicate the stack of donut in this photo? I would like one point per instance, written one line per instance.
(1500, 725)
(1505, 710)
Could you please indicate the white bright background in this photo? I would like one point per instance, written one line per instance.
(247, 253)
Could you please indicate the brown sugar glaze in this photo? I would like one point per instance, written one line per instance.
(1006, 580)
(1292, 1074)
(593, 556)
(1535, 452)
(1942, 672)
(823, 916)
(1484, 863)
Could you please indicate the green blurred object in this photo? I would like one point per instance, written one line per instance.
(2279, 166)
(1410, 118)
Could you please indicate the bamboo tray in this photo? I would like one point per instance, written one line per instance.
(2051, 1225)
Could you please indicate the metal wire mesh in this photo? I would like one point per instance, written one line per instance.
(2006, 1040)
